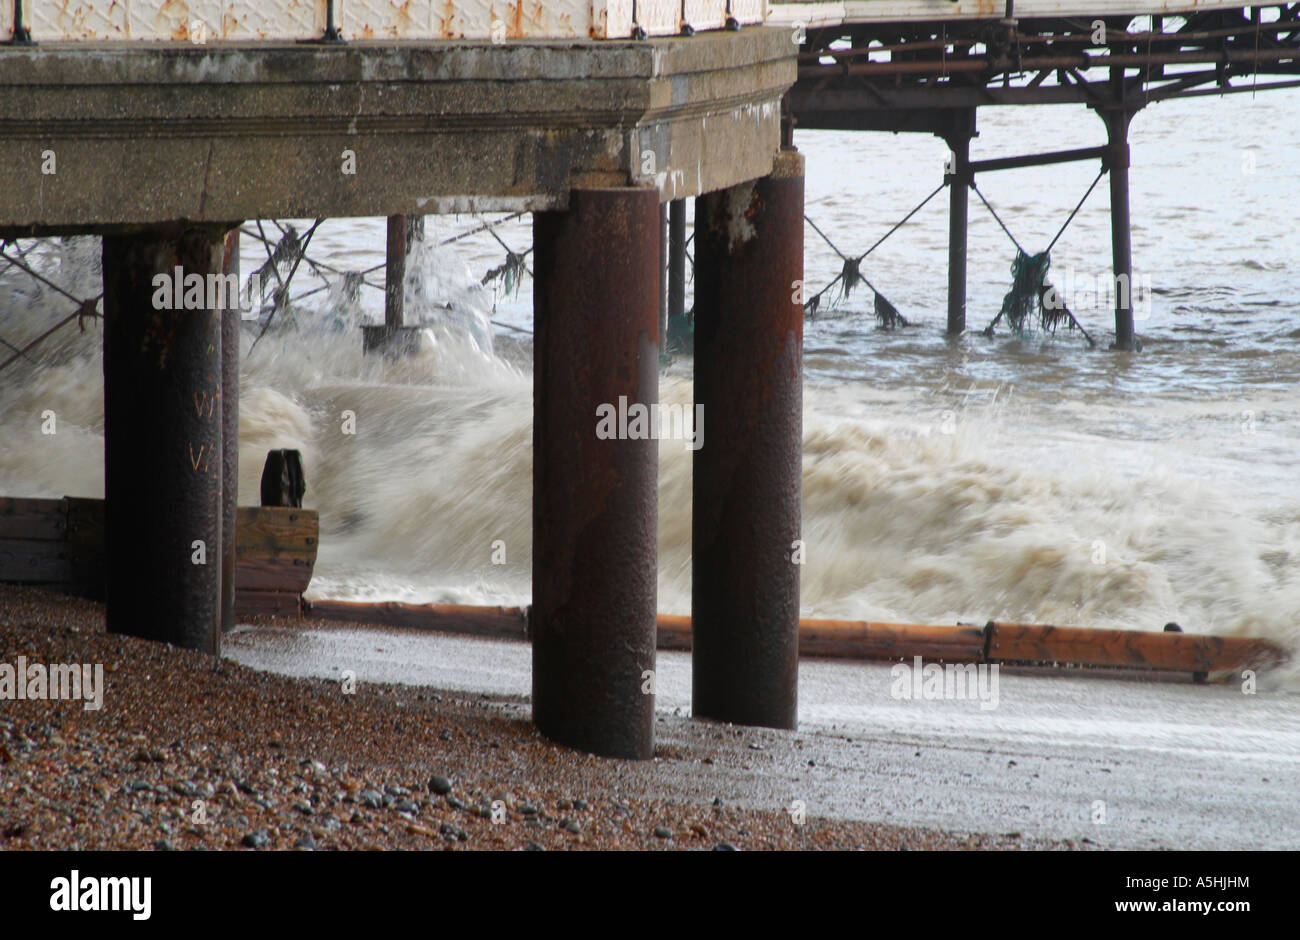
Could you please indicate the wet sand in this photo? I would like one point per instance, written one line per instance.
(281, 763)
(1124, 759)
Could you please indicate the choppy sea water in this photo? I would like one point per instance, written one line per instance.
(1022, 478)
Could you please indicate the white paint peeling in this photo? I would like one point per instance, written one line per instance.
(448, 205)
(739, 228)
(669, 183)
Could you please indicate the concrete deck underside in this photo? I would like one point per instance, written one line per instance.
(156, 132)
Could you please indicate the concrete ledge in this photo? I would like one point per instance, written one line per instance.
(145, 133)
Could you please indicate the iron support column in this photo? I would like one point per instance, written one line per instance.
(163, 453)
(958, 215)
(746, 492)
(676, 259)
(596, 352)
(230, 356)
(395, 271)
(1117, 160)
(394, 337)
(664, 249)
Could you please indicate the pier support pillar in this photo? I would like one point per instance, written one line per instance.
(1117, 161)
(746, 493)
(399, 239)
(163, 449)
(595, 516)
(394, 337)
(959, 182)
(664, 249)
(230, 356)
(676, 260)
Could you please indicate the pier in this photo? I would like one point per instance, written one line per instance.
(895, 66)
(165, 135)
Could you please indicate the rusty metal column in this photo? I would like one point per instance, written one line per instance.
(394, 337)
(663, 271)
(748, 378)
(230, 357)
(1117, 160)
(395, 271)
(163, 433)
(676, 260)
(959, 182)
(592, 621)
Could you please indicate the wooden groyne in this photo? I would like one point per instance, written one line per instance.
(995, 642)
(59, 543)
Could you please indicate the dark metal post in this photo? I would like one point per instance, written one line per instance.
(592, 621)
(22, 36)
(788, 120)
(748, 378)
(394, 338)
(230, 356)
(663, 272)
(332, 32)
(1117, 160)
(283, 479)
(395, 271)
(958, 214)
(676, 260)
(163, 454)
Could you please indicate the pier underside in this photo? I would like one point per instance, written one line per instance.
(165, 149)
(143, 133)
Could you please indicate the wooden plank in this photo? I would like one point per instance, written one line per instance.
(858, 639)
(86, 520)
(268, 603)
(272, 531)
(674, 632)
(275, 548)
(35, 561)
(61, 542)
(852, 639)
(507, 622)
(272, 574)
(44, 519)
(1184, 652)
(826, 638)
(86, 545)
(274, 561)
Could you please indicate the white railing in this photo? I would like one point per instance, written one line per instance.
(204, 21)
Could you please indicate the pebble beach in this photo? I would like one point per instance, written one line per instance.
(189, 753)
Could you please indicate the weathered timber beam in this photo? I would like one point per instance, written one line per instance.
(1006, 643)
